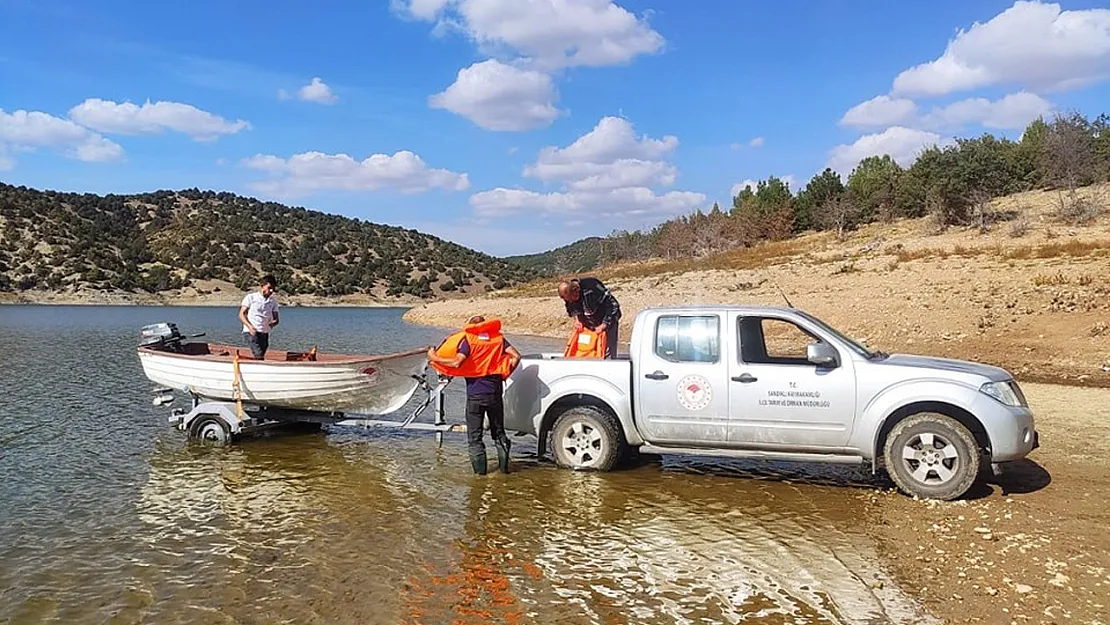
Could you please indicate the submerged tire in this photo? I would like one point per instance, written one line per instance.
(585, 438)
(210, 430)
(932, 456)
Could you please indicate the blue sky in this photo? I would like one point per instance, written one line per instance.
(515, 126)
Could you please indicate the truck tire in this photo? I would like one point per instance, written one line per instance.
(585, 438)
(932, 456)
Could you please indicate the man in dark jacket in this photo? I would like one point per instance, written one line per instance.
(594, 306)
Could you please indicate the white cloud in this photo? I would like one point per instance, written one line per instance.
(739, 186)
(880, 112)
(901, 143)
(497, 96)
(756, 142)
(1033, 44)
(548, 34)
(317, 91)
(419, 9)
(314, 171)
(22, 131)
(610, 156)
(153, 118)
(612, 139)
(607, 172)
(1013, 111)
(629, 202)
(789, 179)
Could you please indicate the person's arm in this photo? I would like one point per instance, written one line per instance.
(276, 320)
(514, 357)
(243, 308)
(454, 361)
(612, 310)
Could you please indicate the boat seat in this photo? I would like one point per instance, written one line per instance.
(310, 355)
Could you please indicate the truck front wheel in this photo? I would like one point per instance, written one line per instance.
(932, 456)
(585, 438)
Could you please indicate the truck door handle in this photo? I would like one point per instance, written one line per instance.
(744, 377)
(657, 375)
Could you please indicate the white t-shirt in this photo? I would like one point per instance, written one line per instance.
(260, 311)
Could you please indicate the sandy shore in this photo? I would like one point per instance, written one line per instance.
(1031, 546)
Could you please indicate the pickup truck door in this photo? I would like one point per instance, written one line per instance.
(777, 396)
(682, 380)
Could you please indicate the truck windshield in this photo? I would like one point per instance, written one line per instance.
(850, 342)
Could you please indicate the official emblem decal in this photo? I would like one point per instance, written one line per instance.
(694, 392)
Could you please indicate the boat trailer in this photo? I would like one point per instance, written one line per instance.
(219, 422)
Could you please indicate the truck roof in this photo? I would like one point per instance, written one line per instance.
(752, 308)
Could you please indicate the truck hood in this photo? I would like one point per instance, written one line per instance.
(995, 374)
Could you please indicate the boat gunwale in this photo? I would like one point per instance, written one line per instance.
(332, 359)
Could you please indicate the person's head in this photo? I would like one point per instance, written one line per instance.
(570, 290)
(475, 319)
(267, 285)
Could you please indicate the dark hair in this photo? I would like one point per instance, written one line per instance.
(268, 279)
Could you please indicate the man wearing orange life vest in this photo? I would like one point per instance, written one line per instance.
(594, 306)
(481, 355)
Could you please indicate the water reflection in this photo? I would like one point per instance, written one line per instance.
(115, 518)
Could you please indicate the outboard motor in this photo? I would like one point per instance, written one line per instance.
(161, 335)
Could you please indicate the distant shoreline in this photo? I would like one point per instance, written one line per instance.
(224, 301)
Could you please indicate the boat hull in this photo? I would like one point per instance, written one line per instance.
(349, 384)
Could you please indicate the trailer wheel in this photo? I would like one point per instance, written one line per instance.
(585, 438)
(210, 430)
(932, 456)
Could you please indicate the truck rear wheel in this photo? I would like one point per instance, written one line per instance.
(932, 456)
(585, 438)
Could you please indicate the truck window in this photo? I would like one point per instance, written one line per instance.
(688, 338)
(766, 340)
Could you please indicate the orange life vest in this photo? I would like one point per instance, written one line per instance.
(487, 352)
(585, 343)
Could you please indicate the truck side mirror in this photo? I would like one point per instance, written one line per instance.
(821, 354)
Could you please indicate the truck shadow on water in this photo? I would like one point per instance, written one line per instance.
(1017, 478)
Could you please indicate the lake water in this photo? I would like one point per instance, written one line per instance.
(108, 515)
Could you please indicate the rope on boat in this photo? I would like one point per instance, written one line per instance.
(236, 391)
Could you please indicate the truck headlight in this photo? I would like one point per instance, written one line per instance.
(1006, 392)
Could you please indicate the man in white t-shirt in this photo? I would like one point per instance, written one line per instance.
(259, 314)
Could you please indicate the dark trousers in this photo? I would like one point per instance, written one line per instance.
(259, 342)
(611, 341)
(478, 408)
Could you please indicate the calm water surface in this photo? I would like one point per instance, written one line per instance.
(107, 515)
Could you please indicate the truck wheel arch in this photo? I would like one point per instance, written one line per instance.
(961, 415)
(565, 403)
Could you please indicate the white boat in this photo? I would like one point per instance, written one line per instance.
(295, 380)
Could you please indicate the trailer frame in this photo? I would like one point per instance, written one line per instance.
(220, 422)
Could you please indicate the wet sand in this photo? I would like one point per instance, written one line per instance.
(1031, 547)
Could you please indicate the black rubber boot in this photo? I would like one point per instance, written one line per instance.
(503, 446)
(478, 461)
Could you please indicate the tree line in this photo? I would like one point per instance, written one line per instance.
(954, 184)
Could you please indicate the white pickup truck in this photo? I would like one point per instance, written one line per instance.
(773, 383)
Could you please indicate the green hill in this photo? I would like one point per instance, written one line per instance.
(167, 240)
(584, 255)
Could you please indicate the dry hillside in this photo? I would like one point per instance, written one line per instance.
(1028, 293)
